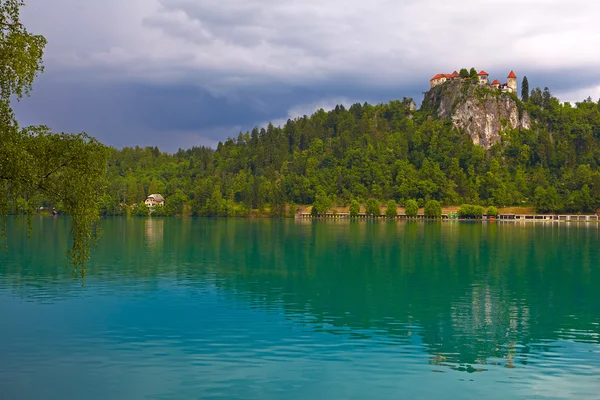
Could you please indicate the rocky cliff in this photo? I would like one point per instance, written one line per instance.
(481, 111)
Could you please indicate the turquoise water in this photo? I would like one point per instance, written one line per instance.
(272, 309)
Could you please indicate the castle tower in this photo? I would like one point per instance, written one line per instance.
(511, 81)
(483, 77)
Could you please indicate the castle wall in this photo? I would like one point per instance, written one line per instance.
(436, 82)
(512, 83)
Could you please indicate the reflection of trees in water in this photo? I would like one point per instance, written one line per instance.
(470, 292)
(477, 291)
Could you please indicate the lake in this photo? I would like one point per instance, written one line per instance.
(274, 309)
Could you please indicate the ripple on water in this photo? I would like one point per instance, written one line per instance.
(358, 311)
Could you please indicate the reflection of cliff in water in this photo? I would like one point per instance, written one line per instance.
(472, 291)
(469, 291)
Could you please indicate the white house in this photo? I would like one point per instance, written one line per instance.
(155, 199)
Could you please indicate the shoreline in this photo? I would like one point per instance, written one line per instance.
(304, 216)
(445, 217)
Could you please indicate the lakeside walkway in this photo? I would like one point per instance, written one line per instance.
(501, 217)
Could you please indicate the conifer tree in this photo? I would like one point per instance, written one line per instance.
(525, 89)
(546, 98)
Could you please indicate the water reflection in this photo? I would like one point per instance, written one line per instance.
(154, 233)
(470, 296)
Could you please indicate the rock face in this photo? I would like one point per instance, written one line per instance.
(481, 111)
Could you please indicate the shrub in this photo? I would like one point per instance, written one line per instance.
(411, 208)
(470, 211)
(291, 211)
(392, 209)
(322, 204)
(433, 209)
(354, 208)
(372, 208)
(140, 210)
(492, 211)
(158, 211)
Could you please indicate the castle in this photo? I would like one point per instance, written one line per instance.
(510, 86)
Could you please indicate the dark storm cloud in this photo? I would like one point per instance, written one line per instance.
(138, 114)
(177, 73)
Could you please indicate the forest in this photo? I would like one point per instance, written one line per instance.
(382, 153)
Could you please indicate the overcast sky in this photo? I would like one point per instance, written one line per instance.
(179, 73)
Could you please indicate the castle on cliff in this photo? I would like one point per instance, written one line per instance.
(509, 87)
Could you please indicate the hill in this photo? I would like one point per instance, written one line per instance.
(464, 145)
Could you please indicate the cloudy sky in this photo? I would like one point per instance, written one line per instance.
(178, 73)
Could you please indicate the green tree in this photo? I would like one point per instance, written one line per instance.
(525, 90)
(202, 194)
(322, 203)
(291, 210)
(536, 97)
(174, 204)
(354, 208)
(469, 211)
(159, 211)
(372, 208)
(411, 209)
(433, 209)
(473, 75)
(546, 99)
(35, 163)
(140, 210)
(278, 201)
(392, 209)
(464, 73)
(110, 206)
(214, 206)
(545, 200)
(156, 186)
(492, 211)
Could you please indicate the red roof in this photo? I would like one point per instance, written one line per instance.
(447, 76)
(438, 76)
(482, 72)
(512, 75)
(496, 82)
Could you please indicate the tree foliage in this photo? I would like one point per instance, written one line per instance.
(411, 209)
(37, 166)
(354, 208)
(142, 210)
(433, 209)
(525, 90)
(372, 208)
(385, 152)
(474, 75)
(492, 211)
(322, 203)
(392, 209)
(470, 211)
